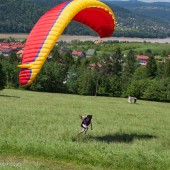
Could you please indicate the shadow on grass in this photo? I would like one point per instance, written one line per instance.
(126, 138)
(121, 138)
(1, 95)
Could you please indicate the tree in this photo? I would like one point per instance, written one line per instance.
(104, 86)
(50, 79)
(167, 68)
(71, 81)
(148, 52)
(13, 58)
(163, 54)
(137, 88)
(130, 63)
(128, 70)
(86, 81)
(158, 90)
(2, 78)
(117, 62)
(140, 73)
(11, 70)
(115, 86)
(160, 69)
(151, 67)
(56, 54)
(68, 59)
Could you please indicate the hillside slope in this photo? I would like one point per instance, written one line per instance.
(20, 16)
(157, 10)
(134, 24)
(43, 127)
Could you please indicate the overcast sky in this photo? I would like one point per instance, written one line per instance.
(155, 0)
(145, 0)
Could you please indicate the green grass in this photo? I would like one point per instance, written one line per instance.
(39, 131)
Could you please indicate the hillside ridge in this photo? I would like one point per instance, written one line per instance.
(20, 17)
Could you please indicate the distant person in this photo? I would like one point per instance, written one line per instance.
(86, 121)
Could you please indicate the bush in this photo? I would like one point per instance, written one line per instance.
(2, 78)
(137, 88)
(158, 90)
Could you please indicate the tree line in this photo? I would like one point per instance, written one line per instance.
(116, 76)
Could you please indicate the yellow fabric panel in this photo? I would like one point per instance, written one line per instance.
(63, 20)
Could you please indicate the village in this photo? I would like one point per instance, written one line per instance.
(8, 47)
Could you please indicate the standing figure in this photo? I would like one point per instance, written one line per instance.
(86, 121)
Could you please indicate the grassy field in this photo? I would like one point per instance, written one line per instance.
(39, 131)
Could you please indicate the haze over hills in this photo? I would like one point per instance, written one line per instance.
(20, 16)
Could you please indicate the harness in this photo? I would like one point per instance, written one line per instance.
(86, 122)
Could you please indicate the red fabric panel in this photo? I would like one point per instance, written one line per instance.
(40, 31)
(36, 39)
(98, 19)
(24, 76)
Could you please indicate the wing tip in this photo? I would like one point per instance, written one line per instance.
(25, 66)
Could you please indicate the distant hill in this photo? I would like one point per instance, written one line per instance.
(135, 22)
(20, 16)
(157, 10)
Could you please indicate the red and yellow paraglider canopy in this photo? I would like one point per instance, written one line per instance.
(50, 26)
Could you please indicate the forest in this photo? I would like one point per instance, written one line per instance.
(115, 71)
(20, 17)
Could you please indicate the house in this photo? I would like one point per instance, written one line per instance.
(98, 41)
(90, 53)
(142, 59)
(6, 48)
(17, 46)
(77, 54)
(6, 51)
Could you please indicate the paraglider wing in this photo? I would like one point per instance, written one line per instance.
(50, 26)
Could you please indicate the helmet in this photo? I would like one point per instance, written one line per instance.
(89, 116)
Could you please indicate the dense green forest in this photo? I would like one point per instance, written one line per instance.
(159, 10)
(134, 23)
(20, 16)
(115, 71)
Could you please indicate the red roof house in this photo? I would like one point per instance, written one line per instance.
(78, 54)
(98, 42)
(142, 59)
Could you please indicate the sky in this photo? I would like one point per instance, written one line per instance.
(155, 0)
(147, 0)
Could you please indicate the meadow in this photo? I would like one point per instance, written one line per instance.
(39, 131)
